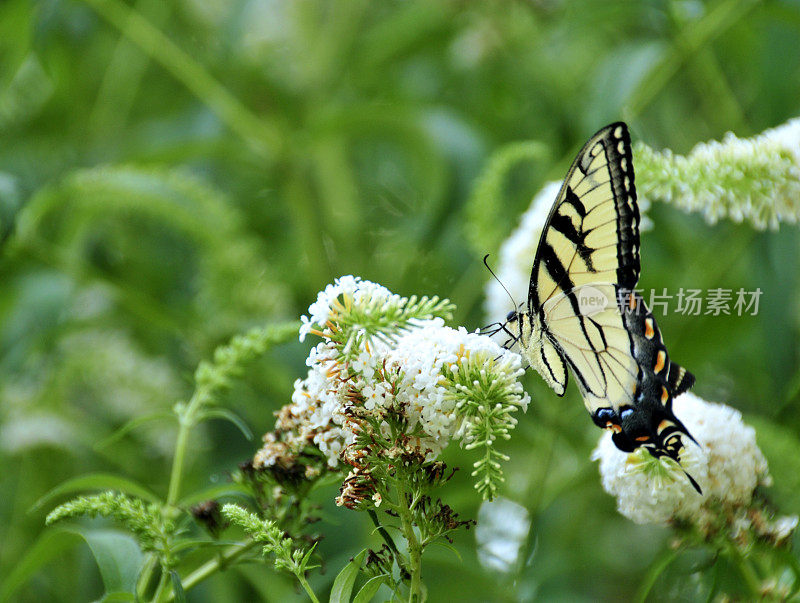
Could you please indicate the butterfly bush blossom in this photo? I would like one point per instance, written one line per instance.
(390, 380)
(728, 465)
(745, 179)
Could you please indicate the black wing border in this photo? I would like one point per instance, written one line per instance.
(620, 161)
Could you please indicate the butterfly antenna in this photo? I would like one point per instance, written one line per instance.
(693, 482)
(677, 459)
(686, 473)
(511, 297)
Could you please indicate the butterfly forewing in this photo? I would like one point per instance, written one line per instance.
(592, 232)
(588, 249)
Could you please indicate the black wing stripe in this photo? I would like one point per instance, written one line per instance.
(558, 273)
(575, 202)
(564, 225)
(550, 369)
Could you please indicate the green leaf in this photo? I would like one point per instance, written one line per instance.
(228, 415)
(370, 588)
(450, 548)
(131, 425)
(96, 481)
(177, 587)
(118, 558)
(343, 585)
(50, 545)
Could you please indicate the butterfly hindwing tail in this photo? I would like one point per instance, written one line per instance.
(679, 379)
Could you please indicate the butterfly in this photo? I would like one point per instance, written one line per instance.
(583, 311)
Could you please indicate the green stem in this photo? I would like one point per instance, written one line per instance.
(145, 576)
(414, 546)
(187, 419)
(213, 566)
(162, 584)
(654, 571)
(123, 75)
(719, 101)
(307, 587)
(747, 571)
(176, 474)
(693, 39)
(262, 136)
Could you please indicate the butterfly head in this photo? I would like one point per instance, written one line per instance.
(519, 328)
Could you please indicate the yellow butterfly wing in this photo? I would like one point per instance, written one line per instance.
(588, 253)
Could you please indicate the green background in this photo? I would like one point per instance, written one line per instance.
(172, 176)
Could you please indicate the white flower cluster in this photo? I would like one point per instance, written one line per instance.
(432, 358)
(502, 528)
(754, 179)
(728, 466)
(413, 371)
(364, 294)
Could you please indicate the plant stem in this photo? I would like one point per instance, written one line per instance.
(748, 572)
(146, 574)
(162, 584)
(307, 587)
(695, 36)
(214, 565)
(187, 419)
(180, 452)
(654, 571)
(389, 542)
(414, 546)
(265, 138)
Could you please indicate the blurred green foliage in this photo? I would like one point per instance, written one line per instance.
(175, 172)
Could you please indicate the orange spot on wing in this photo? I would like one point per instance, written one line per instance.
(648, 328)
(663, 425)
(664, 395)
(660, 361)
(632, 301)
(642, 438)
